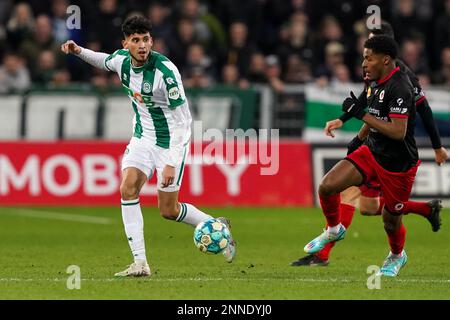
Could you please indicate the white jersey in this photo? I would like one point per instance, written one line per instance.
(162, 114)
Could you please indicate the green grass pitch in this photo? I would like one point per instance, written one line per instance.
(38, 245)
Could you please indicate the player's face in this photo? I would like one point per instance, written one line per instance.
(373, 64)
(140, 46)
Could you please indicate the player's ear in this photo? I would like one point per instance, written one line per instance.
(386, 60)
(125, 43)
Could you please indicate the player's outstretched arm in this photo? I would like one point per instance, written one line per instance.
(96, 59)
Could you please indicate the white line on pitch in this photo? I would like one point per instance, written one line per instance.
(443, 281)
(55, 216)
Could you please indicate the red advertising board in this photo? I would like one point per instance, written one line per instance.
(88, 173)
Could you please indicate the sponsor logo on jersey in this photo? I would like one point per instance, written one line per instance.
(174, 93)
(381, 96)
(399, 101)
(146, 87)
(373, 111)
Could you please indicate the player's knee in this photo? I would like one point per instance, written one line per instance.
(168, 212)
(129, 192)
(326, 187)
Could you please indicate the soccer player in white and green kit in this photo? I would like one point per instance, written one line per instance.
(162, 131)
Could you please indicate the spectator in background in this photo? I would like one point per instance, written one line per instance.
(340, 74)
(158, 15)
(334, 55)
(197, 78)
(42, 40)
(231, 77)
(411, 54)
(159, 45)
(106, 28)
(296, 70)
(240, 49)
(273, 73)
(179, 44)
(14, 76)
(197, 59)
(209, 30)
(443, 75)
(46, 67)
(296, 42)
(442, 29)
(60, 31)
(256, 72)
(20, 26)
(405, 20)
(330, 31)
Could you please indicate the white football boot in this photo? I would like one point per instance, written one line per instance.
(139, 268)
(230, 251)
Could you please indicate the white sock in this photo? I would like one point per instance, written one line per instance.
(134, 228)
(335, 229)
(191, 215)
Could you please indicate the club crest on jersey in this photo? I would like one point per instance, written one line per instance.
(174, 93)
(146, 87)
(381, 96)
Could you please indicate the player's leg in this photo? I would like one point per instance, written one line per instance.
(396, 189)
(430, 210)
(171, 209)
(343, 175)
(137, 167)
(396, 233)
(369, 202)
(349, 199)
(132, 181)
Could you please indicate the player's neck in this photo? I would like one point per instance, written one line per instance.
(387, 71)
(136, 64)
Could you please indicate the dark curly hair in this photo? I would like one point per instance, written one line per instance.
(382, 44)
(385, 29)
(136, 24)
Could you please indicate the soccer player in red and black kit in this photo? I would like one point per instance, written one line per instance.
(388, 155)
(368, 194)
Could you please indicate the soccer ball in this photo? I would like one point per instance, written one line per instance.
(211, 236)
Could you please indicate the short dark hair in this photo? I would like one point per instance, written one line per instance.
(382, 44)
(136, 24)
(385, 29)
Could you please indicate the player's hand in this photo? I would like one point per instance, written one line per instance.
(353, 107)
(168, 176)
(440, 155)
(332, 125)
(70, 47)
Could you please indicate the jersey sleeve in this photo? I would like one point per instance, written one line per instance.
(114, 60)
(401, 100)
(173, 87)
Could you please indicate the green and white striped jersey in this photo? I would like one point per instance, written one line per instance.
(157, 96)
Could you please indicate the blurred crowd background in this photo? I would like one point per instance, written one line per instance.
(232, 42)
